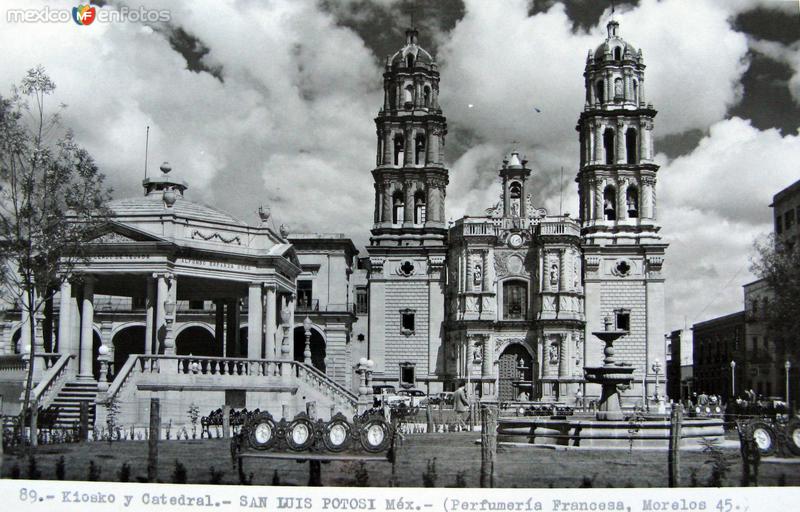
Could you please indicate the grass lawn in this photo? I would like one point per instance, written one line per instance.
(454, 452)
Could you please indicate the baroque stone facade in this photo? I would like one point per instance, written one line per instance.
(520, 291)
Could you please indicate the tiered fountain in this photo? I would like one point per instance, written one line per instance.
(612, 376)
(610, 428)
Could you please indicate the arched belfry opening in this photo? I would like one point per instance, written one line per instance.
(608, 145)
(631, 145)
(426, 96)
(600, 91)
(515, 199)
(610, 203)
(408, 96)
(618, 53)
(410, 60)
(419, 149)
(419, 207)
(632, 201)
(398, 207)
(399, 149)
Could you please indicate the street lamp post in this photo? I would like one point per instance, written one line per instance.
(307, 350)
(788, 367)
(733, 379)
(656, 367)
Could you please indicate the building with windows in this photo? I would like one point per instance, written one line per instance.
(680, 370)
(718, 353)
(509, 298)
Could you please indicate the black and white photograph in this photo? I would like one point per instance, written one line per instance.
(480, 254)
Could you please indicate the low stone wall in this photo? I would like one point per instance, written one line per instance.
(589, 433)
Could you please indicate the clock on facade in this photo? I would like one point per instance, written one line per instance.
(515, 240)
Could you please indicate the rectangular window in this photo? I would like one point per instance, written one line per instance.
(362, 305)
(407, 374)
(778, 225)
(623, 317)
(515, 300)
(408, 321)
(305, 292)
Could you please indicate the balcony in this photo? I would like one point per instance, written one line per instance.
(307, 305)
(487, 226)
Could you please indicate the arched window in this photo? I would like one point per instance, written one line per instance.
(419, 207)
(600, 91)
(632, 200)
(399, 149)
(410, 60)
(610, 203)
(635, 92)
(393, 97)
(515, 300)
(618, 53)
(608, 145)
(426, 95)
(408, 95)
(515, 199)
(631, 146)
(419, 149)
(398, 208)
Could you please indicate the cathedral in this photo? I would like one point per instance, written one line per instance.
(508, 300)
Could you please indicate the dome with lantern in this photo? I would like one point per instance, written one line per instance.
(411, 55)
(614, 46)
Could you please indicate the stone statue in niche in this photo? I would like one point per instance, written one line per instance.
(477, 276)
(554, 274)
(576, 275)
(618, 88)
(552, 353)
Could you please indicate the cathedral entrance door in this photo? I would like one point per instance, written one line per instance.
(511, 373)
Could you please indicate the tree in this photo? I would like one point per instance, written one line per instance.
(52, 201)
(778, 262)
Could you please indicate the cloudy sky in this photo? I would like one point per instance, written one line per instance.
(273, 103)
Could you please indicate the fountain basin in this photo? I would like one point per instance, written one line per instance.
(591, 433)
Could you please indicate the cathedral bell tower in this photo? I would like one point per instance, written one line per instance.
(408, 244)
(410, 178)
(623, 251)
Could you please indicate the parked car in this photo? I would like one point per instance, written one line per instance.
(382, 393)
(416, 396)
(443, 398)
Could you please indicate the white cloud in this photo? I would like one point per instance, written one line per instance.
(294, 83)
(786, 54)
(713, 203)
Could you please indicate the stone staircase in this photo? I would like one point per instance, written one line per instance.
(69, 401)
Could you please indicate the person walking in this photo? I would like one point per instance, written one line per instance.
(461, 404)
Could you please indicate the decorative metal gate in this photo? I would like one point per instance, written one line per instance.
(510, 372)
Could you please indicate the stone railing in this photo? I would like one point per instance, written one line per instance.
(52, 381)
(13, 363)
(560, 227)
(203, 365)
(325, 383)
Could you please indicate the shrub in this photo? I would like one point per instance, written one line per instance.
(429, 476)
(61, 469)
(124, 474)
(361, 475)
(179, 473)
(215, 477)
(720, 466)
(33, 469)
(94, 472)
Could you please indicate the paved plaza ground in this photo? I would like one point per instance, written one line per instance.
(454, 453)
